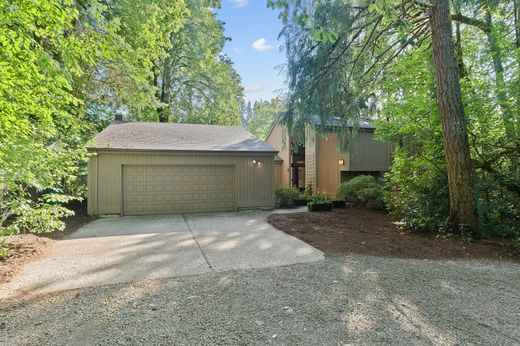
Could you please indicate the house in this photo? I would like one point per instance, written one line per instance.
(138, 168)
(319, 162)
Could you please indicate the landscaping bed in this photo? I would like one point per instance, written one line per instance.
(25, 248)
(371, 232)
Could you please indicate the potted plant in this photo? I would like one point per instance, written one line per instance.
(319, 203)
(339, 203)
(304, 197)
(301, 201)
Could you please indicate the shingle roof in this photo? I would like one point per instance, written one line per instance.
(177, 137)
(365, 124)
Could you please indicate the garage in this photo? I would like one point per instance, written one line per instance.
(162, 189)
(138, 168)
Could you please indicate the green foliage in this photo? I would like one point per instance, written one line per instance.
(308, 192)
(285, 196)
(319, 199)
(42, 131)
(196, 82)
(3, 250)
(363, 190)
(67, 67)
(417, 185)
(264, 115)
(417, 192)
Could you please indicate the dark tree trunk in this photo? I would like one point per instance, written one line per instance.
(458, 42)
(164, 108)
(516, 21)
(159, 94)
(454, 126)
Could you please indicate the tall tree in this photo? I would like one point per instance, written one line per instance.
(265, 113)
(453, 120)
(338, 53)
(195, 82)
(62, 64)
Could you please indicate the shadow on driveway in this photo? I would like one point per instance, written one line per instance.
(127, 249)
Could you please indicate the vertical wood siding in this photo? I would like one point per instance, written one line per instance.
(278, 175)
(254, 183)
(92, 185)
(327, 158)
(279, 139)
(368, 154)
(310, 157)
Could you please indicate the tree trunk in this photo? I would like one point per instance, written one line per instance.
(164, 109)
(458, 42)
(454, 126)
(502, 97)
(516, 21)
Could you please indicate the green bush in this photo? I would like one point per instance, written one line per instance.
(285, 196)
(317, 199)
(417, 193)
(363, 190)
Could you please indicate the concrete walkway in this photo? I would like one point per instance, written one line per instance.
(128, 249)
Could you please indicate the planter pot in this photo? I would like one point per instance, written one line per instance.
(319, 206)
(300, 202)
(339, 204)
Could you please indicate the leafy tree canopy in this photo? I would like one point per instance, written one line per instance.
(264, 115)
(68, 66)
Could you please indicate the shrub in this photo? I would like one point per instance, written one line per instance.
(417, 193)
(362, 190)
(285, 196)
(317, 198)
(307, 194)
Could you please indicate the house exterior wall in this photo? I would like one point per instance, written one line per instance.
(253, 183)
(322, 158)
(278, 174)
(279, 139)
(327, 166)
(310, 158)
(366, 154)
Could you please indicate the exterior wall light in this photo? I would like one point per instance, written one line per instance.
(255, 162)
(341, 162)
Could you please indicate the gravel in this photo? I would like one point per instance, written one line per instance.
(342, 300)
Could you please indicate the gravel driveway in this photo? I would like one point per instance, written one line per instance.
(342, 300)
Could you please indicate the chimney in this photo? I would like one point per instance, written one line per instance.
(118, 117)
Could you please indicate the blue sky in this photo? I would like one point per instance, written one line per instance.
(254, 48)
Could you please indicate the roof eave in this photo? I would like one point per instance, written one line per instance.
(173, 151)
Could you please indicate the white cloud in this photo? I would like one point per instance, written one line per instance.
(261, 45)
(237, 50)
(254, 88)
(240, 3)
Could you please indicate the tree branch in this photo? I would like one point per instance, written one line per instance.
(471, 21)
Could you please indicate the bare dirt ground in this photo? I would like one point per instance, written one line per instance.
(370, 232)
(25, 248)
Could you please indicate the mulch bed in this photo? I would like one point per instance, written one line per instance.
(25, 248)
(370, 232)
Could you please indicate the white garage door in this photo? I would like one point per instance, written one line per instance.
(154, 189)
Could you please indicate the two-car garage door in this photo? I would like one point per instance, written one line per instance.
(159, 189)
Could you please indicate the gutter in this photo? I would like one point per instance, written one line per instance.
(171, 151)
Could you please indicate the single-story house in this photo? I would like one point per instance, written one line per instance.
(138, 168)
(319, 162)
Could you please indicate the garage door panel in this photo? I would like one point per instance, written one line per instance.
(177, 189)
